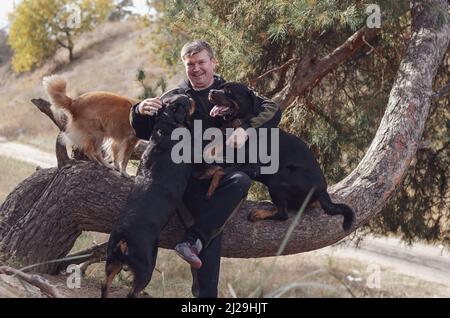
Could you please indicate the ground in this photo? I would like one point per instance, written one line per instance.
(340, 271)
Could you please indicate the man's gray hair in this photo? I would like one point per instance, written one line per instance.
(194, 47)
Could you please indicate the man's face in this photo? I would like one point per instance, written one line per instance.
(200, 69)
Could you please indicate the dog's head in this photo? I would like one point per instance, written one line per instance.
(232, 101)
(177, 112)
(179, 109)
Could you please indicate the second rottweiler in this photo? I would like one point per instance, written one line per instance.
(298, 172)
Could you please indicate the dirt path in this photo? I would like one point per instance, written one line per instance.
(26, 153)
(426, 262)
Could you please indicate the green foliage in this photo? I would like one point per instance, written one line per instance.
(340, 116)
(251, 37)
(39, 27)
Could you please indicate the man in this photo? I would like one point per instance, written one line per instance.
(201, 246)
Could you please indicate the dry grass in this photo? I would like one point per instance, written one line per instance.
(12, 172)
(108, 59)
(315, 273)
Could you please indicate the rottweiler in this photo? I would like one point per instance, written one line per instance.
(157, 190)
(298, 172)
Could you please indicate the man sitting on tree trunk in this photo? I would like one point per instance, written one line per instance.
(201, 246)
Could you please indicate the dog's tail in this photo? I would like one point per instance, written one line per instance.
(55, 87)
(336, 208)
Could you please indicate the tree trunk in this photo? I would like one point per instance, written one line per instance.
(44, 215)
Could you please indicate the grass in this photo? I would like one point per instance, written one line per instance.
(107, 59)
(12, 172)
(311, 274)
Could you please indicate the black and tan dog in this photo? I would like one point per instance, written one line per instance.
(157, 190)
(298, 172)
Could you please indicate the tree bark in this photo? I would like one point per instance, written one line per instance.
(44, 215)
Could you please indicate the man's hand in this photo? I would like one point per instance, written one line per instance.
(237, 138)
(149, 106)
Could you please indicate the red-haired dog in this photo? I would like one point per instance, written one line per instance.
(92, 119)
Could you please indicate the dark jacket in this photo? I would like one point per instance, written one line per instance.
(269, 112)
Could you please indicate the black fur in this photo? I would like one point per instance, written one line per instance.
(158, 188)
(299, 170)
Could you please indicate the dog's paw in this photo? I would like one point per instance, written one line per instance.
(260, 214)
(124, 174)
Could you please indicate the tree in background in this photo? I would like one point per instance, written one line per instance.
(121, 10)
(39, 27)
(149, 91)
(40, 221)
(5, 50)
(267, 43)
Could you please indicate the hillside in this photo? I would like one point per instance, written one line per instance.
(106, 59)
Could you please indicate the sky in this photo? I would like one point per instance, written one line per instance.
(6, 6)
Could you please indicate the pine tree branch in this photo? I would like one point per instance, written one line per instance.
(313, 70)
(62, 44)
(276, 69)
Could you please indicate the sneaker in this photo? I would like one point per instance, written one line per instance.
(189, 253)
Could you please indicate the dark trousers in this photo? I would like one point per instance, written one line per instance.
(210, 216)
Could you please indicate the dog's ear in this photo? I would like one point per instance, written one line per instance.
(192, 107)
(245, 95)
(181, 113)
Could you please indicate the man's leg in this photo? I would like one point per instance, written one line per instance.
(206, 279)
(211, 215)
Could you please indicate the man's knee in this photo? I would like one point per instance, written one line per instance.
(241, 181)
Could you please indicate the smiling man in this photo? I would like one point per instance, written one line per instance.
(201, 246)
(200, 69)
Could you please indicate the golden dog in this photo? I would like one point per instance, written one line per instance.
(93, 118)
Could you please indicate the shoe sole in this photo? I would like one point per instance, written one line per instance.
(195, 265)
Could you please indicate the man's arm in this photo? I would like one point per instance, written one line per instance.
(142, 124)
(142, 115)
(268, 117)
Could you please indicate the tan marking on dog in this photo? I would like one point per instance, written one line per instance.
(260, 214)
(218, 175)
(193, 106)
(123, 246)
(111, 271)
(315, 204)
